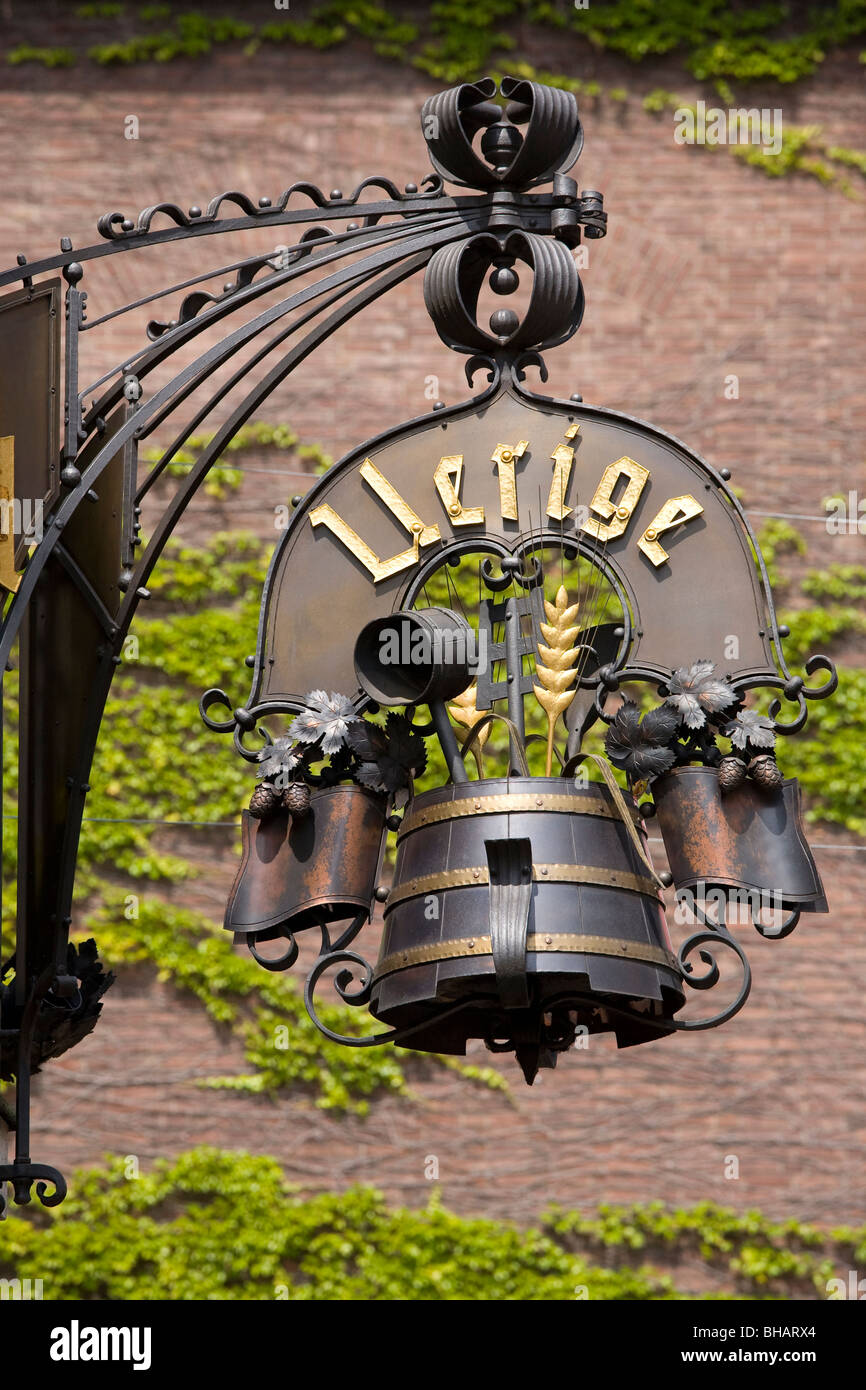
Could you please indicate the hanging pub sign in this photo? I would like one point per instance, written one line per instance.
(516, 563)
(494, 641)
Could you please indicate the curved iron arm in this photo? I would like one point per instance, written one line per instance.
(427, 221)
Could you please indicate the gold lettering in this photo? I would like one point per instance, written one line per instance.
(504, 456)
(674, 512)
(448, 477)
(616, 515)
(563, 458)
(9, 576)
(325, 515)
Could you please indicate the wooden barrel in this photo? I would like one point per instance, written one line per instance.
(519, 893)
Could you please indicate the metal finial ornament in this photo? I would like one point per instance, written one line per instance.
(523, 907)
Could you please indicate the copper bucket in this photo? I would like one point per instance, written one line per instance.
(298, 873)
(749, 840)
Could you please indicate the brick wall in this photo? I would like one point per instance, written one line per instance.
(709, 269)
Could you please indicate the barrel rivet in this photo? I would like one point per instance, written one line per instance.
(477, 805)
(471, 945)
(544, 871)
(548, 941)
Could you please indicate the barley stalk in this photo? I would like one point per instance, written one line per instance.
(554, 667)
(464, 711)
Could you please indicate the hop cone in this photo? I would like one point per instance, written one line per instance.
(264, 801)
(296, 799)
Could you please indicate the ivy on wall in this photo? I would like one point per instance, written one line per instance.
(453, 42)
(225, 1225)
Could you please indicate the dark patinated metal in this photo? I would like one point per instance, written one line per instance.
(594, 925)
(509, 896)
(413, 657)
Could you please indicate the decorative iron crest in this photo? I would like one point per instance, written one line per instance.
(513, 158)
(455, 275)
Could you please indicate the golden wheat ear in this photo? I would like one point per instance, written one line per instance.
(464, 711)
(554, 667)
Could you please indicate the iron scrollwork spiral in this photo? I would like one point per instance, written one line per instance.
(359, 997)
(698, 941)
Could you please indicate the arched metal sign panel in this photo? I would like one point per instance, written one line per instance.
(655, 513)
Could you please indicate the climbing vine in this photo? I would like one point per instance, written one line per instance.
(451, 42)
(216, 1224)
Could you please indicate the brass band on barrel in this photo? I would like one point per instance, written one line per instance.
(508, 802)
(573, 943)
(478, 877)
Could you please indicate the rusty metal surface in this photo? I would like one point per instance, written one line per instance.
(751, 838)
(320, 868)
